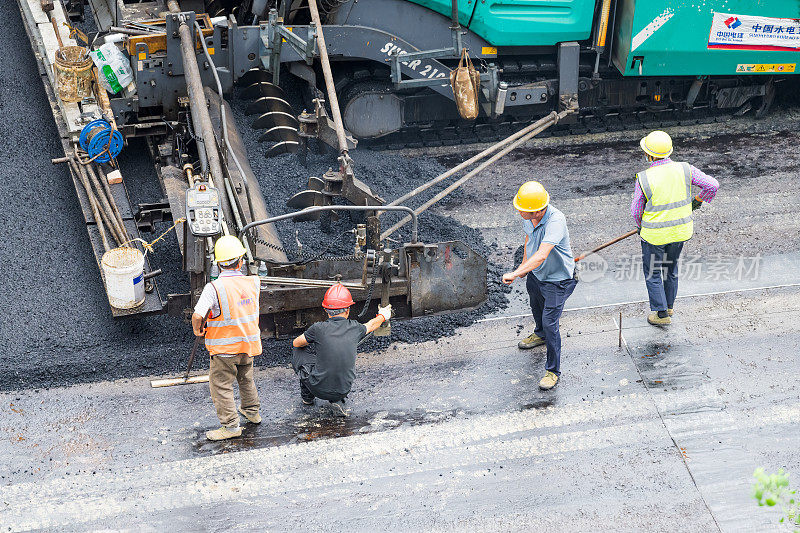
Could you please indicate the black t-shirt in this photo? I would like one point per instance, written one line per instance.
(334, 342)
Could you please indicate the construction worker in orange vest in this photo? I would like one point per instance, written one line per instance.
(328, 371)
(231, 305)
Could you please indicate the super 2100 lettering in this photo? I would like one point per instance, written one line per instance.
(424, 70)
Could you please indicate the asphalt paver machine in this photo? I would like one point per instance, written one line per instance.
(182, 62)
(374, 71)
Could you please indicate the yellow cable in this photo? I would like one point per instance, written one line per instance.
(148, 246)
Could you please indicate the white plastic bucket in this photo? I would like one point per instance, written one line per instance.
(123, 269)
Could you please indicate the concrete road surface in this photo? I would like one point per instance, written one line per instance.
(662, 434)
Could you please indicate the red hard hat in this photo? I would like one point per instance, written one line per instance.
(337, 297)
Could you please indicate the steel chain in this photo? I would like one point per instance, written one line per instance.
(304, 257)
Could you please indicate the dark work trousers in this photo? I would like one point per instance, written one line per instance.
(547, 303)
(660, 265)
(303, 362)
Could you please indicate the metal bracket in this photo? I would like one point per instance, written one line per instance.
(453, 52)
(320, 126)
(148, 214)
(444, 276)
(174, 65)
(274, 33)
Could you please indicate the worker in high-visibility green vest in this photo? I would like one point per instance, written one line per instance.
(662, 208)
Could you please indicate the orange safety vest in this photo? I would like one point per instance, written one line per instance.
(236, 329)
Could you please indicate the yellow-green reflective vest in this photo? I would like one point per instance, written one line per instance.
(667, 213)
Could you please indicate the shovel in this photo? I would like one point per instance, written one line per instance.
(607, 244)
(185, 380)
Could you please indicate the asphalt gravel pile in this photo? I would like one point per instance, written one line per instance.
(390, 174)
(58, 329)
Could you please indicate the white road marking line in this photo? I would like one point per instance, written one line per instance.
(680, 297)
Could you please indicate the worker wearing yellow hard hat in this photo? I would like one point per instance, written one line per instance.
(662, 208)
(228, 250)
(227, 314)
(549, 268)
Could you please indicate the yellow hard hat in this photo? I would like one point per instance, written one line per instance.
(228, 249)
(657, 144)
(531, 197)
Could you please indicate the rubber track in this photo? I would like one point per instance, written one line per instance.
(483, 131)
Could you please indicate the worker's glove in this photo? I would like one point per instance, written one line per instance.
(696, 203)
(385, 312)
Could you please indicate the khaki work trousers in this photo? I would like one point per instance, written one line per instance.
(221, 375)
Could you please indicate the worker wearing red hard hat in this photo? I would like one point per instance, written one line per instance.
(324, 357)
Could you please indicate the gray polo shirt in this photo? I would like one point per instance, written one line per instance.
(552, 229)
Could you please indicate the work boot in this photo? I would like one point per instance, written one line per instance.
(548, 381)
(670, 312)
(656, 320)
(531, 341)
(224, 433)
(306, 395)
(255, 419)
(339, 408)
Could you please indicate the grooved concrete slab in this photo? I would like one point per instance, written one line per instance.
(444, 435)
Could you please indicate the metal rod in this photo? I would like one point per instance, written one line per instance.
(55, 29)
(552, 118)
(197, 102)
(213, 67)
(129, 31)
(620, 329)
(156, 27)
(114, 224)
(112, 201)
(471, 160)
(192, 355)
(607, 244)
(274, 280)
(224, 122)
(101, 206)
(326, 71)
(236, 216)
(412, 215)
(81, 176)
(153, 273)
(454, 15)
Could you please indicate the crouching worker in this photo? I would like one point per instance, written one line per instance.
(233, 337)
(324, 357)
